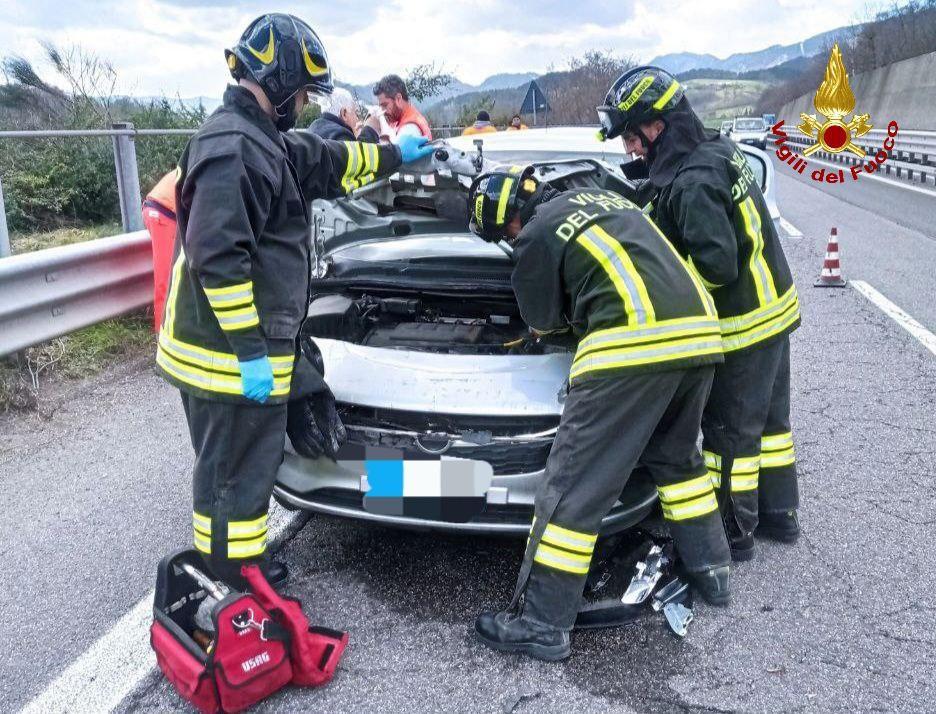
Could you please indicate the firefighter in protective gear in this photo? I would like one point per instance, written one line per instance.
(591, 262)
(240, 278)
(709, 203)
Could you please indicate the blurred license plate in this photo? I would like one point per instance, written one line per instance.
(419, 485)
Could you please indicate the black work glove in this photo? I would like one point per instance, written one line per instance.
(312, 422)
(314, 427)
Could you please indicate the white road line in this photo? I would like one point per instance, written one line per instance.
(113, 666)
(882, 179)
(924, 336)
(791, 230)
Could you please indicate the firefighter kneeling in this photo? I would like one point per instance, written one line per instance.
(592, 262)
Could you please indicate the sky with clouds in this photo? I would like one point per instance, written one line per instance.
(174, 47)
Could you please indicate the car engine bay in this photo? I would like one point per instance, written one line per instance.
(426, 323)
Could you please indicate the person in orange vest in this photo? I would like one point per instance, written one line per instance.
(482, 125)
(402, 117)
(159, 217)
(516, 124)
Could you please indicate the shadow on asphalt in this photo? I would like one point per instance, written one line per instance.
(449, 579)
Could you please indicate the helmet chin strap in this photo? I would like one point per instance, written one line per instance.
(286, 120)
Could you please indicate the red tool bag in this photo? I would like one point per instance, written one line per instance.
(314, 651)
(253, 651)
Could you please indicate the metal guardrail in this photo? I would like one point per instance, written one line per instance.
(49, 293)
(125, 165)
(913, 158)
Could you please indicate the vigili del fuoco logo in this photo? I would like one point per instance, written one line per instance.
(834, 101)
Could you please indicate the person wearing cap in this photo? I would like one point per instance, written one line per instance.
(482, 125)
(709, 203)
(589, 262)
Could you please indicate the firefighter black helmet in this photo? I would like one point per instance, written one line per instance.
(638, 96)
(495, 197)
(283, 55)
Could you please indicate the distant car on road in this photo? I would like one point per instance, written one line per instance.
(750, 130)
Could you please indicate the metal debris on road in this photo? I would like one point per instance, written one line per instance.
(678, 617)
(649, 572)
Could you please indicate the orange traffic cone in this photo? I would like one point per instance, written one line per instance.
(831, 275)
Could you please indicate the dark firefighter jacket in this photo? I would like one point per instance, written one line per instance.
(240, 275)
(330, 126)
(711, 206)
(592, 261)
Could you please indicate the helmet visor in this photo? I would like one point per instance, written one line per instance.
(611, 119)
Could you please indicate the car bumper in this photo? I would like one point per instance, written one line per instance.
(323, 486)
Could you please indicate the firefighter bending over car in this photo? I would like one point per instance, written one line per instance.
(591, 262)
(240, 280)
(709, 204)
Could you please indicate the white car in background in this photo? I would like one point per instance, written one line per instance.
(750, 130)
(424, 348)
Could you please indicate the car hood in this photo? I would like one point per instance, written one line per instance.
(508, 385)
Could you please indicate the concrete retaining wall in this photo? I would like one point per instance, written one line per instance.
(904, 91)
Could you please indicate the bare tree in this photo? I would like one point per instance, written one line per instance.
(427, 80)
(92, 79)
(574, 94)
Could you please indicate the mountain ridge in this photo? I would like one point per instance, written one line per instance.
(679, 62)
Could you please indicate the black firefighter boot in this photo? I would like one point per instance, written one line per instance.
(783, 526)
(740, 542)
(508, 632)
(712, 585)
(275, 572)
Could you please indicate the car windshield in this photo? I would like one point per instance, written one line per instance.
(749, 124)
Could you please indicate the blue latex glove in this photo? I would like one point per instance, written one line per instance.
(413, 148)
(256, 379)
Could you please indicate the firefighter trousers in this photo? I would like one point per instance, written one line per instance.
(746, 433)
(608, 424)
(238, 449)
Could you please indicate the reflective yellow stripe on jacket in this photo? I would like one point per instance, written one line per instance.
(620, 269)
(215, 371)
(762, 323)
(634, 345)
(363, 162)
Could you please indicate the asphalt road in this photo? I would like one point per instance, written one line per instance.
(839, 622)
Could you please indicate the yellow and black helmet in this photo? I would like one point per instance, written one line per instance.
(283, 55)
(638, 96)
(495, 197)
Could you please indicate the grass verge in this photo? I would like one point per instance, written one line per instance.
(28, 242)
(26, 378)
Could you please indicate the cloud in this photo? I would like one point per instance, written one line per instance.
(175, 46)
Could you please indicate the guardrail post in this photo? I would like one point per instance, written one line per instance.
(128, 179)
(4, 234)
